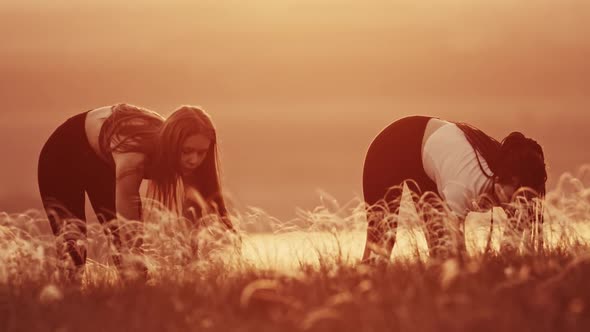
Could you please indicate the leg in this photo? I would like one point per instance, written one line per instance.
(382, 219)
(123, 242)
(62, 191)
(64, 205)
(394, 157)
(444, 235)
(101, 193)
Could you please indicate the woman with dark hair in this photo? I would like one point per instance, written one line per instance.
(107, 152)
(449, 167)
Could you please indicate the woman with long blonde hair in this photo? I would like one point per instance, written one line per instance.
(107, 152)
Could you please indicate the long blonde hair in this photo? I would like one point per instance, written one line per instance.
(134, 129)
(200, 191)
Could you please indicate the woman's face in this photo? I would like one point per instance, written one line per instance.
(192, 153)
(505, 191)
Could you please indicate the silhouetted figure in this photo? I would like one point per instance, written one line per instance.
(449, 167)
(106, 153)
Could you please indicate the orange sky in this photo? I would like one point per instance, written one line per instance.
(298, 88)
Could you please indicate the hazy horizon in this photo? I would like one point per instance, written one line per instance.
(298, 89)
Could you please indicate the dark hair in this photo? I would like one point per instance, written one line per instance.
(515, 157)
(523, 158)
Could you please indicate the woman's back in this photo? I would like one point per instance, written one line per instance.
(93, 125)
(431, 127)
(453, 164)
(122, 128)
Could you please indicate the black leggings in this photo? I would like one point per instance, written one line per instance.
(394, 158)
(68, 168)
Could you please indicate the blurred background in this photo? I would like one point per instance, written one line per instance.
(298, 89)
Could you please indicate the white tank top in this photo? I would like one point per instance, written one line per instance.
(451, 162)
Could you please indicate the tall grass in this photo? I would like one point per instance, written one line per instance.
(304, 275)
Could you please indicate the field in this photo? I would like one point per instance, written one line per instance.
(304, 275)
(298, 89)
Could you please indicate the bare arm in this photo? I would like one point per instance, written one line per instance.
(457, 200)
(129, 174)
